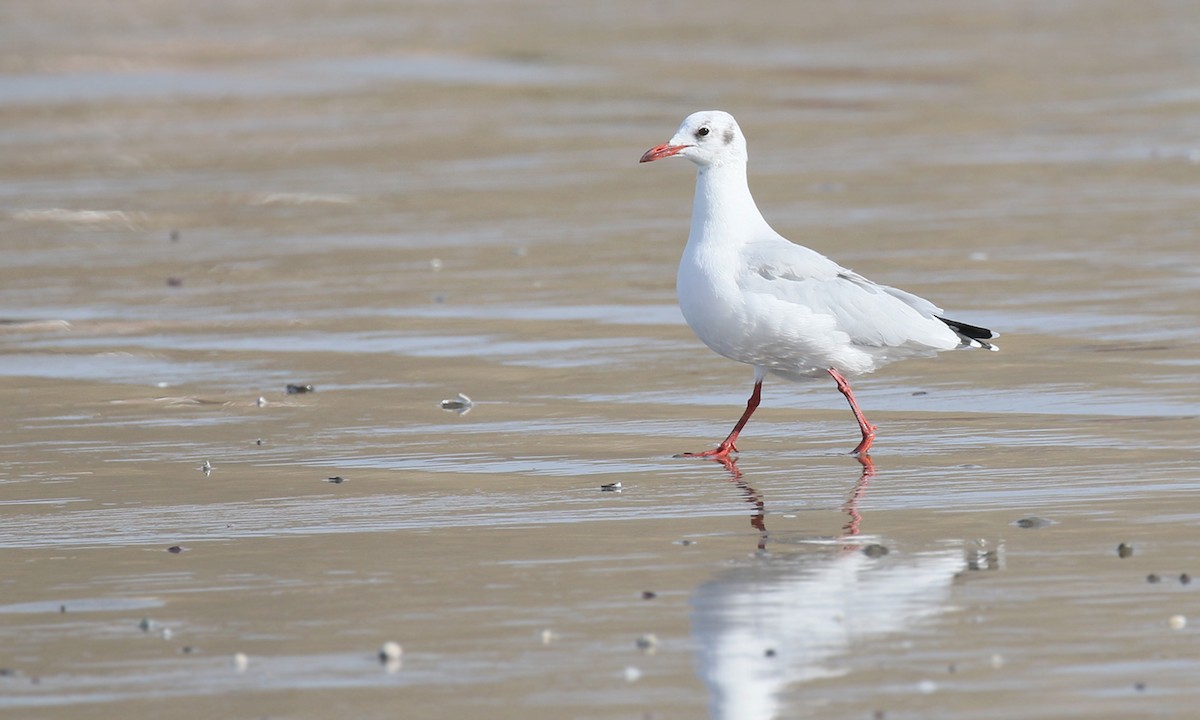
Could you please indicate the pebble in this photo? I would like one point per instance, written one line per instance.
(632, 674)
(1153, 578)
(262, 401)
(547, 636)
(206, 468)
(1032, 522)
(875, 550)
(298, 389)
(1177, 622)
(176, 549)
(1124, 550)
(647, 643)
(649, 594)
(1185, 579)
(240, 662)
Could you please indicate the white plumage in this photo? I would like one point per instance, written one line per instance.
(756, 297)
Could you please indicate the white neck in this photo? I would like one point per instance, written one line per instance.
(723, 206)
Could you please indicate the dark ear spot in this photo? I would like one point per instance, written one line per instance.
(728, 137)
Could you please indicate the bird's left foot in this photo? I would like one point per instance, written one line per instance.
(721, 452)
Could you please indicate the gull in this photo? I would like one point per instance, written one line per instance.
(756, 297)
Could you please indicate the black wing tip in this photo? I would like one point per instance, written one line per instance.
(972, 335)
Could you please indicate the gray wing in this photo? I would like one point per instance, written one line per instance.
(872, 315)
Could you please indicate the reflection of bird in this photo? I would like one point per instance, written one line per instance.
(755, 297)
(784, 620)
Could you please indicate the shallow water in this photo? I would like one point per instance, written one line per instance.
(399, 204)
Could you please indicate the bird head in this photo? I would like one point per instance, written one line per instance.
(708, 138)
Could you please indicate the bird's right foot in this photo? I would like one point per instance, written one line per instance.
(865, 444)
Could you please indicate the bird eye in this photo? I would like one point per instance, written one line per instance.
(702, 132)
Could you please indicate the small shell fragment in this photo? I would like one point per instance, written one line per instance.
(240, 662)
(462, 404)
(1177, 622)
(390, 651)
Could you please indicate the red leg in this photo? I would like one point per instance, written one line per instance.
(868, 430)
(727, 445)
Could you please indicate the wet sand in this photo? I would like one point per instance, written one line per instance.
(400, 204)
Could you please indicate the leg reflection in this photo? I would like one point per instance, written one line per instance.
(851, 528)
(758, 519)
